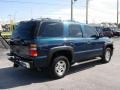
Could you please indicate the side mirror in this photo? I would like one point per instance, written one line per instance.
(96, 36)
(101, 35)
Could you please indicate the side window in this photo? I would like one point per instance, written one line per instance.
(75, 31)
(51, 29)
(89, 31)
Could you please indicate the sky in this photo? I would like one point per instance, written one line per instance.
(99, 10)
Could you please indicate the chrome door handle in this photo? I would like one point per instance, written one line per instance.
(69, 43)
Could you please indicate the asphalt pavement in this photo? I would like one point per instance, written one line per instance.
(90, 76)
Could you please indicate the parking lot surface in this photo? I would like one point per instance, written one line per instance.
(89, 76)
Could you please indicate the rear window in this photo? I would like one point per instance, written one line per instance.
(51, 29)
(25, 30)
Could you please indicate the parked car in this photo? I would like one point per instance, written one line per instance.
(107, 32)
(55, 45)
(116, 32)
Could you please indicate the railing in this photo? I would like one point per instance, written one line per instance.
(4, 43)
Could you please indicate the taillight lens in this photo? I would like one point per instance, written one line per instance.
(33, 50)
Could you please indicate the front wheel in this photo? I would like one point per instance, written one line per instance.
(59, 67)
(107, 55)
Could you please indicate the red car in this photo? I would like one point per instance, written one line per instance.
(107, 32)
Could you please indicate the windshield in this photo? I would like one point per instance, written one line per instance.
(25, 30)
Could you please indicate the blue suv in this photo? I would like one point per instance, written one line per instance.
(55, 45)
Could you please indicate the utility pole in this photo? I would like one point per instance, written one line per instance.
(71, 10)
(117, 13)
(72, 2)
(87, 1)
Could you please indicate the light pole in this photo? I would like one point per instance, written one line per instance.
(87, 2)
(71, 10)
(15, 14)
(117, 13)
(72, 2)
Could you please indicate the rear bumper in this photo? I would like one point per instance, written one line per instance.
(21, 63)
(38, 62)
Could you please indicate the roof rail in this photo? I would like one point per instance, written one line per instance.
(72, 21)
(43, 19)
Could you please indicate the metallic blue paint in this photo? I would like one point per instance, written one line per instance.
(83, 48)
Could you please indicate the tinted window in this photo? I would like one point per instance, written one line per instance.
(90, 31)
(75, 31)
(98, 29)
(51, 29)
(25, 30)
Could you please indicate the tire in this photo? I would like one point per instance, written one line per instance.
(59, 67)
(15, 65)
(107, 55)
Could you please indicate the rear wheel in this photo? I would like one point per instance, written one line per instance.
(107, 55)
(60, 66)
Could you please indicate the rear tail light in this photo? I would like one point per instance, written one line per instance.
(33, 50)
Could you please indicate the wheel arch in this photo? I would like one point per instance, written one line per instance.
(61, 50)
(109, 46)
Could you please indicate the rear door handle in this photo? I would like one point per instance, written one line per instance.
(69, 43)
